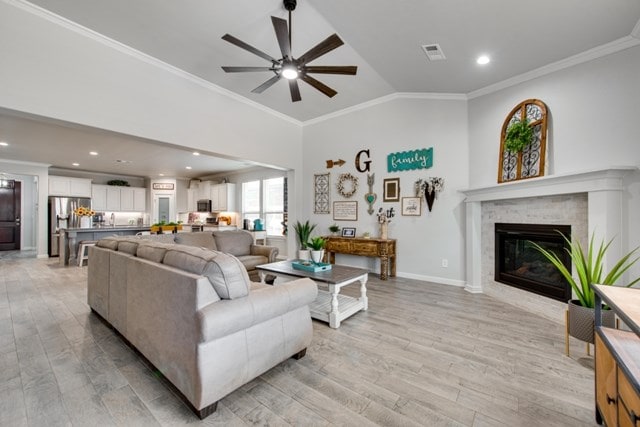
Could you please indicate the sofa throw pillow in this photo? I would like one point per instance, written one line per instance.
(234, 242)
(128, 246)
(226, 273)
(201, 239)
(108, 243)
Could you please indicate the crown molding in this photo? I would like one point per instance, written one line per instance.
(586, 56)
(127, 50)
(636, 30)
(23, 163)
(387, 98)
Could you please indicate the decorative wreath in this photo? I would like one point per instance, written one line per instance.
(347, 192)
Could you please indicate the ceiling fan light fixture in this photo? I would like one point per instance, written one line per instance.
(290, 72)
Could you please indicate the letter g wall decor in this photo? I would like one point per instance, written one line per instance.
(409, 160)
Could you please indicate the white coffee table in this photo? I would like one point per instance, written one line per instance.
(329, 306)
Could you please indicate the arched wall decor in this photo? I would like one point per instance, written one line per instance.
(530, 162)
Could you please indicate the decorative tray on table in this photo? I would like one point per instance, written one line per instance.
(310, 266)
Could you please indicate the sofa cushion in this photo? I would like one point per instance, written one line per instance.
(128, 246)
(201, 239)
(152, 251)
(226, 273)
(251, 261)
(110, 242)
(236, 242)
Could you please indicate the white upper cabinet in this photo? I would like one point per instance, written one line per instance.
(118, 199)
(69, 187)
(223, 197)
(99, 197)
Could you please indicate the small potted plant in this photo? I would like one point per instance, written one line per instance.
(334, 229)
(317, 245)
(589, 268)
(303, 233)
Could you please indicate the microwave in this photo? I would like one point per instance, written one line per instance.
(204, 205)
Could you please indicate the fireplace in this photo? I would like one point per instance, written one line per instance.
(519, 264)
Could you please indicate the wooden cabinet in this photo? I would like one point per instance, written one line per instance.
(606, 391)
(617, 359)
(69, 187)
(385, 249)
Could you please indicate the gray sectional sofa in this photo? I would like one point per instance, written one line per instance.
(195, 315)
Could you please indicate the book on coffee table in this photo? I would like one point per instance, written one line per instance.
(310, 266)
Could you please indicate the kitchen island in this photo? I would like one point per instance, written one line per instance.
(70, 238)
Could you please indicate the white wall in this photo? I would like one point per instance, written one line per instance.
(398, 125)
(52, 69)
(593, 110)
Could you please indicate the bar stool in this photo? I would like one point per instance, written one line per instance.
(83, 251)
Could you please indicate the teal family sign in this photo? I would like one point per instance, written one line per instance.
(409, 160)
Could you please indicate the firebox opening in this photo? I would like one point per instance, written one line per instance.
(519, 264)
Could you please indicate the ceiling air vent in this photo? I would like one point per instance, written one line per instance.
(433, 51)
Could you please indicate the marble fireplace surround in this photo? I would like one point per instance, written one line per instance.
(603, 190)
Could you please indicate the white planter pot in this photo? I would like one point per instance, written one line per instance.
(304, 254)
(316, 256)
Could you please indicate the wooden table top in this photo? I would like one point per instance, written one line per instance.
(625, 302)
(337, 274)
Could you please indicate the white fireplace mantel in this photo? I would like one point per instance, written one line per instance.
(604, 191)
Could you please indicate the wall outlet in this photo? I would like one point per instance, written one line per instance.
(445, 262)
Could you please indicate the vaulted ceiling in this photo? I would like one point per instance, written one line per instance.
(382, 38)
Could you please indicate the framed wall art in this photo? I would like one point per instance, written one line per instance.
(345, 211)
(391, 190)
(349, 232)
(411, 206)
(321, 193)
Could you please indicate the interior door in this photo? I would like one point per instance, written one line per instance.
(9, 215)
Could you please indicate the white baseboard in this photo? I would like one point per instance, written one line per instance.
(42, 256)
(440, 280)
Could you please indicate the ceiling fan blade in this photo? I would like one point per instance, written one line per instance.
(267, 84)
(247, 47)
(282, 33)
(332, 69)
(325, 46)
(245, 69)
(295, 90)
(319, 85)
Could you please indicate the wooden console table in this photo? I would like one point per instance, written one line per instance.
(385, 249)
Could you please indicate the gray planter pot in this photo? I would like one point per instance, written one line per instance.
(582, 321)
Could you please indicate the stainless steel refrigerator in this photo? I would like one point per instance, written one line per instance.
(61, 216)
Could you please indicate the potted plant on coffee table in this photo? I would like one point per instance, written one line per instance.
(589, 269)
(317, 245)
(303, 233)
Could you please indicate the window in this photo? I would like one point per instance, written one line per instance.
(265, 200)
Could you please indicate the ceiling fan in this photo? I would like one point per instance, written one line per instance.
(289, 67)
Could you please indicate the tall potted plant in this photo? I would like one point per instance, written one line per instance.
(589, 269)
(303, 233)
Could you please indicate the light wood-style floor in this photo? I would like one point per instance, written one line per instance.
(424, 354)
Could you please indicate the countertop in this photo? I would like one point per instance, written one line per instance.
(110, 228)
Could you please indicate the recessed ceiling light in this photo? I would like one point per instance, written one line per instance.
(483, 60)
(188, 167)
(93, 153)
(195, 153)
(4, 144)
(75, 164)
(160, 174)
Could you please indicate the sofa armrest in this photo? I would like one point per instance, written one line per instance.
(225, 317)
(271, 252)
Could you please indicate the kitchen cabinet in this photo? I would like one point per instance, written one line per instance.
(223, 197)
(111, 198)
(192, 199)
(69, 187)
(99, 197)
(617, 358)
